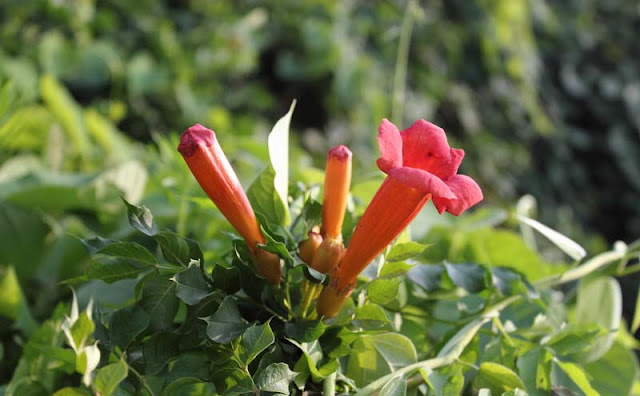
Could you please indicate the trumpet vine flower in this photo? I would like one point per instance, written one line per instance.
(206, 160)
(420, 166)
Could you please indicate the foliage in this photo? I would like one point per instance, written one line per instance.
(463, 315)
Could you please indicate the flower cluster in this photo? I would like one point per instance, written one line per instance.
(419, 165)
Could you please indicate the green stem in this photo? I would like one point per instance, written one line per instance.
(329, 385)
(402, 60)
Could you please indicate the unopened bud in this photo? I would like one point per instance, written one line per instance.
(309, 246)
(332, 300)
(328, 255)
(268, 265)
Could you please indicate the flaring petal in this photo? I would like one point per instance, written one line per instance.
(467, 194)
(390, 143)
(425, 146)
(423, 181)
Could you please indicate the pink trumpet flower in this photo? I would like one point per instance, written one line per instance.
(419, 165)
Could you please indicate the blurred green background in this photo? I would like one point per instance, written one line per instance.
(543, 95)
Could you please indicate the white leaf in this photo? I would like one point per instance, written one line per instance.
(567, 245)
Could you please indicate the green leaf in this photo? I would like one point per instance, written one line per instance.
(376, 355)
(112, 269)
(304, 331)
(126, 324)
(72, 392)
(309, 362)
(393, 269)
(570, 247)
(572, 376)
(265, 200)
(427, 276)
(405, 251)
(158, 350)
(574, 339)
(189, 386)
(254, 340)
(78, 328)
(226, 279)
(226, 324)
(128, 250)
(13, 304)
(275, 378)
(470, 277)
(397, 386)
(278, 143)
(67, 112)
(599, 301)
(614, 372)
(445, 381)
(506, 281)
(454, 347)
(177, 250)
(191, 285)
(109, 377)
(534, 368)
(233, 381)
(141, 219)
(497, 378)
(383, 291)
(635, 324)
(159, 301)
(371, 317)
(275, 246)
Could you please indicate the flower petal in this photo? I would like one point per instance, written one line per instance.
(467, 193)
(425, 146)
(400, 198)
(390, 143)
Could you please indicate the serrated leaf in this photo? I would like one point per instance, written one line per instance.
(405, 251)
(254, 340)
(374, 356)
(470, 277)
(141, 219)
(226, 279)
(226, 324)
(159, 301)
(498, 378)
(109, 377)
(128, 250)
(126, 324)
(275, 378)
(191, 285)
(177, 250)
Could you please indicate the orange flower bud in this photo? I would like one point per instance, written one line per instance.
(332, 300)
(328, 255)
(337, 181)
(309, 246)
(206, 160)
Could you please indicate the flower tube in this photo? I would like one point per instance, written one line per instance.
(206, 160)
(337, 180)
(420, 165)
